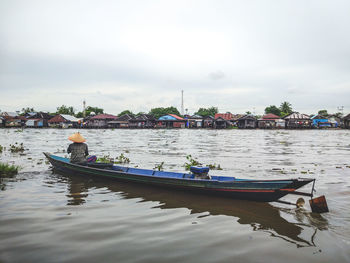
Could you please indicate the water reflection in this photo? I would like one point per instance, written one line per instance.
(260, 216)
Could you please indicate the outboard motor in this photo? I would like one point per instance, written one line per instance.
(200, 172)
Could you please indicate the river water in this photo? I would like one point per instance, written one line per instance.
(46, 217)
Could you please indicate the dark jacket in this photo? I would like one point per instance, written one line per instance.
(78, 151)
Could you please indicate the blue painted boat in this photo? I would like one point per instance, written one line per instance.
(246, 189)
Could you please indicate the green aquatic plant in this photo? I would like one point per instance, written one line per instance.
(159, 167)
(121, 159)
(15, 148)
(214, 166)
(7, 170)
(192, 162)
(105, 159)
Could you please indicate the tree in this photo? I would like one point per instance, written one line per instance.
(96, 110)
(126, 112)
(65, 110)
(158, 112)
(323, 113)
(286, 108)
(26, 110)
(205, 112)
(273, 109)
(338, 115)
(248, 112)
(80, 114)
(88, 111)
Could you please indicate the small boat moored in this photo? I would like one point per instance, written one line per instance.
(197, 181)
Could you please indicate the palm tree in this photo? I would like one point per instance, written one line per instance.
(286, 107)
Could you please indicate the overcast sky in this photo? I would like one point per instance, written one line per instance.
(236, 55)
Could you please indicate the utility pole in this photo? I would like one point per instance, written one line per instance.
(84, 108)
(182, 102)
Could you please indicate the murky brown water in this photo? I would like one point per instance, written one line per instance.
(45, 217)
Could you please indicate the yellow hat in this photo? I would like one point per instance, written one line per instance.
(76, 137)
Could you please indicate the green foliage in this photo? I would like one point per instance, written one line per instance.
(191, 162)
(79, 114)
(1, 148)
(88, 111)
(159, 112)
(214, 167)
(338, 115)
(121, 159)
(323, 113)
(194, 162)
(65, 110)
(205, 112)
(105, 159)
(273, 109)
(7, 170)
(96, 110)
(248, 112)
(286, 108)
(126, 112)
(15, 148)
(26, 110)
(159, 167)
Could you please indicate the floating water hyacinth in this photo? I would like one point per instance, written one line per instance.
(159, 167)
(7, 170)
(16, 147)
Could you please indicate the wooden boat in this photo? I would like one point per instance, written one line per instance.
(246, 189)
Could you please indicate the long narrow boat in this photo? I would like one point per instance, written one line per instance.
(246, 189)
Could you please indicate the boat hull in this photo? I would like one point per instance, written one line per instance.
(254, 190)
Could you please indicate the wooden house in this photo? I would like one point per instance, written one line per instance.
(221, 123)
(223, 120)
(297, 120)
(35, 123)
(194, 121)
(101, 121)
(320, 121)
(38, 119)
(64, 121)
(271, 121)
(247, 122)
(122, 121)
(17, 121)
(346, 121)
(208, 122)
(226, 116)
(171, 121)
(142, 121)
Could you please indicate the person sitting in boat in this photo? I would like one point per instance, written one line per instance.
(78, 149)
